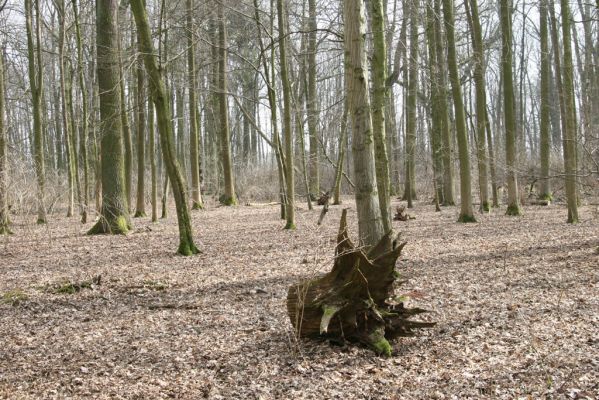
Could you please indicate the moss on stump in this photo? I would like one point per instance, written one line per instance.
(353, 301)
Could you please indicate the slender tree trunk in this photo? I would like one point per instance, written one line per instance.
(370, 222)
(229, 198)
(313, 114)
(448, 182)
(411, 109)
(114, 213)
(152, 154)
(569, 117)
(481, 104)
(140, 113)
(194, 161)
(435, 93)
(4, 222)
(35, 68)
(124, 119)
(379, 97)
(342, 146)
(513, 207)
(159, 96)
(545, 187)
(466, 212)
(289, 167)
(84, 117)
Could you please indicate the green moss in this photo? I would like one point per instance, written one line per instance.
(465, 218)
(139, 214)
(121, 226)
(513, 210)
(71, 287)
(485, 206)
(381, 345)
(187, 248)
(197, 206)
(227, 201)
(14, 297)
(5, 230)
(155, 285)
(546, 196)
(290, 226)
(41, 221)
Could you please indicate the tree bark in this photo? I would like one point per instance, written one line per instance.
(513, 207)
(466, 212)
(4, 222)
(569, 136)
(356, 80)
(379, 100)
(312, 104)
(481, 104)
(114, 215)
(289, 167)
(35, 68)
(545, 134)
(194, 160)
(229, 198)
(160, 99)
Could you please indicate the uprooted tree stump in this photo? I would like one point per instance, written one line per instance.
(401, 214)
(355, 302)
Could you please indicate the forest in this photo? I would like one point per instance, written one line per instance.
(299, 199)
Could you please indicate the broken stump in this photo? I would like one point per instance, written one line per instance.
(356, 300)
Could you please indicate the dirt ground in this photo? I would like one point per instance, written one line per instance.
(516, 302)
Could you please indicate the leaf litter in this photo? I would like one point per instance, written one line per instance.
(515, 300)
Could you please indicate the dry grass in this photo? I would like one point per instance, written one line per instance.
(516, 300)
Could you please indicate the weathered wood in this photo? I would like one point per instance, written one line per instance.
(354, 302)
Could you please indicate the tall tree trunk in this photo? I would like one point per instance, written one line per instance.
(545, 187)
(379, 97)
(313, 114)
(194, 160)
(466, 212)
(340, 158)
(435, 93)
(84, 117)
(124, 118)
(569, 117)
(481, 104)
(370, 222)
(448, 182)
(152, 154)
(411, 110)
(289, 167)
(513, 207)
(140, 116)
(4, 228)
(115, 212)
(229, 198)
(35, 68)
(159, 96)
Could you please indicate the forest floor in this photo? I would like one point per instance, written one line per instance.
(516, 302)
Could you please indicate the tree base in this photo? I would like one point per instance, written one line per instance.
(197, 206)
(140, 214)
(290, 226)
(187, 249)
(484, 207)
(227, 201)
(118, 226)
(513, 210)
(355, 302)
(466, 218)
(5, 230)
